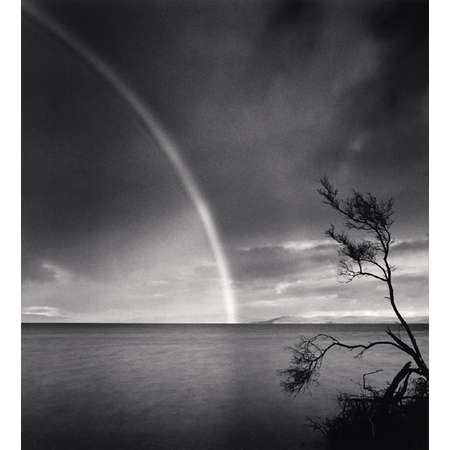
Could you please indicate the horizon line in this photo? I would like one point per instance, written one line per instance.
(264, 322)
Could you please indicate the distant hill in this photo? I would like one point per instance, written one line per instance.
(342, 319)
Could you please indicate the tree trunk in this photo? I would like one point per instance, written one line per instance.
(390, 391)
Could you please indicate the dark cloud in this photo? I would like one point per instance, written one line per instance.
(297, 260)
(242, 121)
(292, 30)
(410, 246)
(34, 269)
(400, 84)
(292, 14)
(280, 262)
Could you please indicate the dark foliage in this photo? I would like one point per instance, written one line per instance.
(366, 422)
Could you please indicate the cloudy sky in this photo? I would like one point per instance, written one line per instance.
(262, 98)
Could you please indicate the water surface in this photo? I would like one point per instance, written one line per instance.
(101, 386)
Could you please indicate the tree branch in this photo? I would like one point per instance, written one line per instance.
(366, 213)
(307, 357)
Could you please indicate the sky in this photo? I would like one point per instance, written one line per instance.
(262, 98)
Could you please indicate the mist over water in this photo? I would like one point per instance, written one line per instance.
(183, 386)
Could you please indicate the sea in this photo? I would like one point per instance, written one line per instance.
(187, 387)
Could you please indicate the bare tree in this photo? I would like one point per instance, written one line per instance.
(370, 218)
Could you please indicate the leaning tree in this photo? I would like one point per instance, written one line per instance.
(365, 257)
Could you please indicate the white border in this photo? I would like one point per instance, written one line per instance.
(10, 225)
(439, 221)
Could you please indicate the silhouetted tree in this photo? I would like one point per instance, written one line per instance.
(368, 256)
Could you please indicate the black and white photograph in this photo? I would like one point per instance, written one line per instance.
(225, 225)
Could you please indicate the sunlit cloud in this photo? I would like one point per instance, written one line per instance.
(46, 311)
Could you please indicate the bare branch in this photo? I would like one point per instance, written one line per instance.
(403, 345)
(307, 356)
(365, 386)
(362, 211)
(360, 253)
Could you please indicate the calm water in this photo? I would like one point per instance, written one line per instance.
(181, 386)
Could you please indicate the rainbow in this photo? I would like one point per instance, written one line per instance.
(164, 142)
